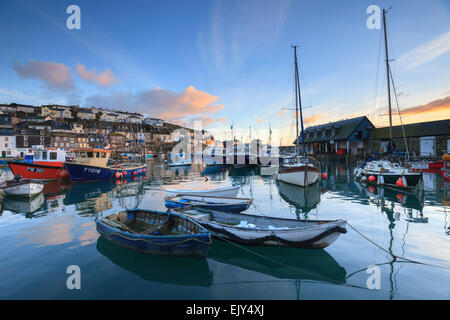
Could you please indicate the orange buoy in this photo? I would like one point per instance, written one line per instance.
(324, 175)
(143, 170)
(372, 178)
(399, 182)
(124, 173)
(134, 178)
(117, 174)
(134, 172)
(124, 181)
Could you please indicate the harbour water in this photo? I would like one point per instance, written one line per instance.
(41, 238)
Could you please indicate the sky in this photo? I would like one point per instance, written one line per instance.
(229, 62)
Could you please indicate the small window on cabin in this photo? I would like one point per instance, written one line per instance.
(44, 155)
(77, 154)
(103, 154)
(53, 155)
(83, 154)
(37, 154)
(90, 154)
(97, 154)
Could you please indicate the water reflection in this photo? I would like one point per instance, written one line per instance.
(281, 262)
(195, 272)
(28, 206)
(303, 199)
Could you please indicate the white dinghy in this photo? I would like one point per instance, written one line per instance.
(21, 187)
(230, 192)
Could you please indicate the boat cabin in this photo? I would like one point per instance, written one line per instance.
(91, 156)
(48, 155)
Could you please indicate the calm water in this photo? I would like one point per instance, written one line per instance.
(41, 238)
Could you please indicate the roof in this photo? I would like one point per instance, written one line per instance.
(343, 130)
(421, 129)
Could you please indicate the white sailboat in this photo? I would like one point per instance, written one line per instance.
(299, 170)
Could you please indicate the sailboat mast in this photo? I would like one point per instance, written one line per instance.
(387, 74)
(298, 105)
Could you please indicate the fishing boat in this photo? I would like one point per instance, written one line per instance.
(216, 192)
(91, 164)
(256, 230)
(21, 187)
(300, 170)
(47, 164)
(155, 232)
(384, 172)
(208, 202)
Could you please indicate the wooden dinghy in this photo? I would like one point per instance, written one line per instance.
(155, 232)
(21, 187)
(250, 229)
(207, 202)
(217, 192)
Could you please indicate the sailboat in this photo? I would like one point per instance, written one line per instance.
(299, 170)
(384, 172)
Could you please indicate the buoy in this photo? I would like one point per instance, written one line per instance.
(399, 182)
(134, 178)
(134, 172)
(324, 175)
(372, 178)
(144, 170)
(144, 177)
(371, 189)
(117, 182)
(124, 173)
(405, 183)
(124, 181)
(117, 174)
(380, 180)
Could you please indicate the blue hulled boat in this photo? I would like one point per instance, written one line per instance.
(225, 204)
(91, 164)
(155, 232)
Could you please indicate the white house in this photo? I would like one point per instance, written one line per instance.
(7, 143)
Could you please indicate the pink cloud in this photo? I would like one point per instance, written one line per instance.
(53, 74)
(163, 103)
(106, 78)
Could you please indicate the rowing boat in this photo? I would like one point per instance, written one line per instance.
(155, 232)
(250, 229)
(208, 202)
(217, 192)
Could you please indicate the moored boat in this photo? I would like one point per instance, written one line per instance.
(91, 164)
(250, 229)
(208, 202)
(155, 232)
(216, 192)
(21, 187)
(47, 164)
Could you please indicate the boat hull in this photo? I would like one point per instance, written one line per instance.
(24, 189)
(317, 236)
(38, 171)
(235, 206)
(220, 192)
(86, 173)
(301, 176)
(190, 245)
(412, 179)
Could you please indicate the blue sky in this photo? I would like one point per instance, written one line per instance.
(227, 61)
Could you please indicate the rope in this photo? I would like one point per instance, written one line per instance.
(326, 279)
(393, 255)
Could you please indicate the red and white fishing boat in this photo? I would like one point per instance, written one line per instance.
(48, 164)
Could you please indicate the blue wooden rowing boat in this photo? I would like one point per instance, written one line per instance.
(156, 232)
(225, 204)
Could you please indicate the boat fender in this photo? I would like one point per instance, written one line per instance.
(372, 178)
(399, 182)
(380, 180)
(364, 178)
(404, 181)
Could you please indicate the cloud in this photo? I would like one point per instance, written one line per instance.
(53, 74)
(162, 103)
(426, 52)
(106, 78)
(313, 118)
(433, 106)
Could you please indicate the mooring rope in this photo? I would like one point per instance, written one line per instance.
(325, 279)
(393, 255)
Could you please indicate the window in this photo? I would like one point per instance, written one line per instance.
(44, 155)
(25, 143)
(97, 154)
(103, 155)
(42, 132)
(23, 132)
(53, 156)
(6, 138)
(56, 144)
(83, 154)
(90, 154)
(25, 138)
(42, 138)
